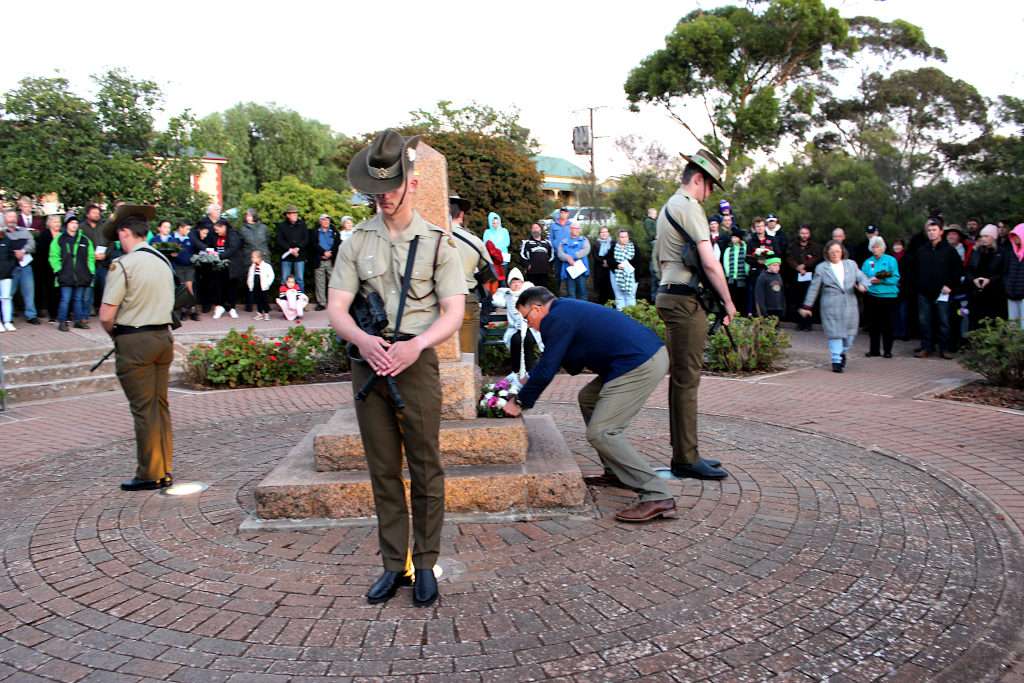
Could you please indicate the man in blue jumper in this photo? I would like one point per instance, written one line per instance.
(629, 361)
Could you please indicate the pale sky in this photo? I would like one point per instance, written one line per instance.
(363, 66)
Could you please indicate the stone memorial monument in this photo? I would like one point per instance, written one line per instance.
(496, 469)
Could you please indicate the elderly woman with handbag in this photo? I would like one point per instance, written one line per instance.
(835, 279)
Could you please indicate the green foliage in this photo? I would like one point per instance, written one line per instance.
(277, 195)
(265, 143)
(495, 361)
(755, 72)
(996, 351)
(647, 315)
(760, 345)
(476, 118)
(246, 359)
(52, 140)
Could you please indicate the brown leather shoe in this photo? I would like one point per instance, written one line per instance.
(645, 512)
(922, 354)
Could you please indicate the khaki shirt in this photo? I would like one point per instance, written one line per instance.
(473, 255)
(142, 288)
(371, 261)
(668, 247)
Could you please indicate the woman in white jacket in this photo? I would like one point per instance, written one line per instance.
(524, 355)
(259, 280)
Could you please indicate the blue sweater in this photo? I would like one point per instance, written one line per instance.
(579, 334)
(889, 288)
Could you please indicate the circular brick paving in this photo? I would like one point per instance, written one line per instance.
(816, 560)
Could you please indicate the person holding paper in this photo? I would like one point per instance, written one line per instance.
(623, 271)
(572, 252)
(802, 257)
(937, 271)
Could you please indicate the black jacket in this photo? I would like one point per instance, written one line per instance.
(1013, 275)
(74, 260)
(537, 256)
(233, 253)
(7, 260)
(293, 235)
(317, 251)
(936, 267)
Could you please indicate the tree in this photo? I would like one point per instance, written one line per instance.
(475, 118)
(264, 143)
(654, 178)
(125, 109)
(757, 75)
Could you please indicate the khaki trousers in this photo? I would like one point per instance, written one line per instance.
(143, 365)
(386, 432)
(469, 333)
(686, 330)
(608, 408)
(321, 276)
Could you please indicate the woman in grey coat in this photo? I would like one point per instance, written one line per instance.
(835, 279)
(255, 235)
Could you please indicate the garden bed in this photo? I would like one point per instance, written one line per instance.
(986, 394)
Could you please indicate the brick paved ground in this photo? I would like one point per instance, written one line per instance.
(819, 559)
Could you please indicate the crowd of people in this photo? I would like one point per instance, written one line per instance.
(57, 264)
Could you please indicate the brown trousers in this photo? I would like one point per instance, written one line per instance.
(143, 367)
(686, 330)
(469, 333)
(386, 432)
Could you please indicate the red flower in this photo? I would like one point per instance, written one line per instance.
(288, 338)
(252, 343)
(277, 343)
(273, 358)
(245, 336)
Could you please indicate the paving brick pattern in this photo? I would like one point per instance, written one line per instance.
(820, 559)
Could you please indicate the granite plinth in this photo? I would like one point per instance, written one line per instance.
(459, 389)
(449, 350)
(549, 480)
(338, 446)
(431, 198)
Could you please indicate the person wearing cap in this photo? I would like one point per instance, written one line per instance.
(476, 262)
(770, 297)
(375, 260)
(985, 277)
(557, 232)
(136, 312)
(293, 240)
(735, 268)
(325, 243)
(678, 306)
(773, 229)
(571, 249)
(72, 259)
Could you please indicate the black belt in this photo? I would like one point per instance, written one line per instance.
(127, 329)
(677, 289)
(404, 337)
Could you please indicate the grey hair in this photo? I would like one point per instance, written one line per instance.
(213, 206)
(875, 241)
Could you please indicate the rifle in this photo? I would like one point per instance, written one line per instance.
(101, 360)
(707, 295)
(371, 316)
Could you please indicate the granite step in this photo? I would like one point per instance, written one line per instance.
(16, 361)
(79, 386)
(549, 481)
(52, 373)
(338, 445)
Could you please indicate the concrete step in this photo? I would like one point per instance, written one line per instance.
(15, 361)
(548, 482)
(53, 373)
(338, 446)
(40, 391)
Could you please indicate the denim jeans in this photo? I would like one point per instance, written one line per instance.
(296, 268)
(6, 306)
(928, 310)
(838, 346)
(25, 282)
(1016, 311)
(576, 288)
(75, 299)
(900, 330)
(99, 283)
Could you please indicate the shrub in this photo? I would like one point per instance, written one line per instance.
(760, 344)
(495, 361)
(246, 359)
(647, 315)
(996, 351)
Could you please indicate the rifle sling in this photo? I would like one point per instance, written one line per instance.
(701, 275)
(406, 281)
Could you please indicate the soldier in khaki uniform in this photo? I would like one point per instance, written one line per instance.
(136, 311)
(373, 259)
(677, 305)
(474, 258)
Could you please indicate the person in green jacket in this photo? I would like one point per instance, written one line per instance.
(73, 259)
(734, 263)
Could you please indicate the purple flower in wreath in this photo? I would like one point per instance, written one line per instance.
(502, 384)
(492, 402)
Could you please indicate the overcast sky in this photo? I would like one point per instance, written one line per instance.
(363, 66)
